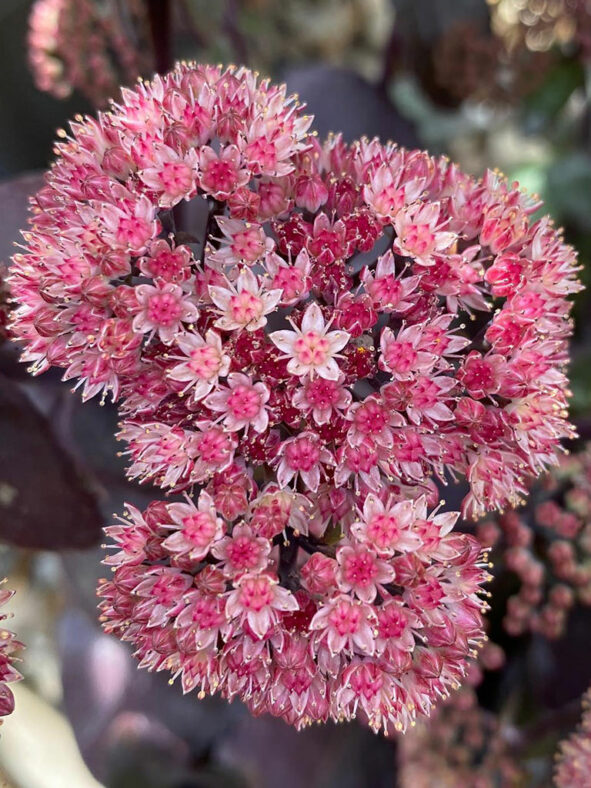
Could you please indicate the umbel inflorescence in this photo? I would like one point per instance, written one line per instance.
(87, 45)
(301, 338)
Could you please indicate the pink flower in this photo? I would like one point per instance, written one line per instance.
(313, 348)
(396, 626)
(131, 537)
(387, 191)
(160, 451)
(345, 625)
(196, 528)
(245, 242)
(242, 404)
(322, 397)
(362, 572)
(481, 375)
(361, 462)
(292, 280)
(205, 616)
(419, 234)
(268, 148)
(303, 455)
(205, 365)
(310, 192)
(388, 528)
(372, 423)
(128, 224)
(173, 177)
(244, 551)
(319, 574)
(257, 600)
(429, 398)
(322, 440)
(170, 265)
(245, 303)
(356, 314)
(402, 356)
(230, 491)
(163, 310)
(221, 174)
(389, 291)
(275, 510)
(214, 451)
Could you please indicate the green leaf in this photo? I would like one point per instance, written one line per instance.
(542, 106)
(580, 384)
(568, 190)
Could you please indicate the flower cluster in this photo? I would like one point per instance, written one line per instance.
(87, 45)
(354, 315)
(308, 334)
(548, 548)
(463, 744)
(8, 673)
(573, 764)
(241, 593)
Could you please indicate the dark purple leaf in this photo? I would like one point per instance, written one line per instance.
(107, 697)
(325, 756)
(560, 670)
(341, 100)
(14, 195)
(45, 502)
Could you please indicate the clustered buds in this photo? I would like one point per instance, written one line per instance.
(8, 673)
(548, 547)
(573, 761)
(87, 45)
(462, 744)
(300, 337)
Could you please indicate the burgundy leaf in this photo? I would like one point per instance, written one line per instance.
(45, 503)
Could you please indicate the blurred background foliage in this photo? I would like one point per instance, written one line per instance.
(492, 83)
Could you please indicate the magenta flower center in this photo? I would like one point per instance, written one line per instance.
(345, 618)
(244, 402)
(302, 454)
(256, 594)
(312, 349)
(164, 309)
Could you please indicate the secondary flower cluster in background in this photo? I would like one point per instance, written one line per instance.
(548, 547)
(88, 45)
(8, 673)
(462, 744)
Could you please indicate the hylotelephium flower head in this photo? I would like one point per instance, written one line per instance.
(304, 338)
